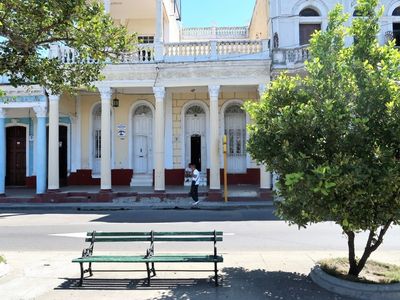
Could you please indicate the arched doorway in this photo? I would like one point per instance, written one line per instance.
(16, 156)
(307, 28)
(235, 130)
(396, 26)
(142, 140)
(195, 138)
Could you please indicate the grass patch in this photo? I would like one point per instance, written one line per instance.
(373, 272)
(2, 259)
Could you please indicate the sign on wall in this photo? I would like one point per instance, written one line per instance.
(121, 131)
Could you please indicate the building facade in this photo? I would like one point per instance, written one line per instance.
(167, 104)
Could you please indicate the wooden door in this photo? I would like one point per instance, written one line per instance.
(16, 156)
(306, 30)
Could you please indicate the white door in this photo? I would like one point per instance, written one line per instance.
(141, 154)
(142, 140)
(235, 130)
(195, 125)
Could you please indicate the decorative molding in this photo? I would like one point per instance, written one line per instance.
(40, 111)
(261, 89)
(159, 93)
(213, 90)
(105, 93)
(3, 113)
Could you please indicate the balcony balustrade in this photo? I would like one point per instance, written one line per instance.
(183, 51)
(290, 58)
(214, 33)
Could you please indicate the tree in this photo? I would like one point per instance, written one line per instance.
(28, 28)
(333, 135)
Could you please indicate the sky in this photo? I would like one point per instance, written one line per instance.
(199, 13)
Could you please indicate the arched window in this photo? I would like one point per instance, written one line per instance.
(235, 130)
(306, 29)
(308, 12)
(396, 12)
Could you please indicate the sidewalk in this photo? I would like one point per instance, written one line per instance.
(128, 204)
(252, 276)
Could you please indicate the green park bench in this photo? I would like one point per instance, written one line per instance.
(150, 258)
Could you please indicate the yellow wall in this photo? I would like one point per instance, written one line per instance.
(141, 26)
(180, 99)
(121, 115)
(259, 22)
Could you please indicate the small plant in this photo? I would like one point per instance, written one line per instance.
(2, 260)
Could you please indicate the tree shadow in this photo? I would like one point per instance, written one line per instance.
(236, 283)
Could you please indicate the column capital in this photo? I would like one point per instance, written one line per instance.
(105, 92)
(213, 90)
(40, 111)
(3, 113)
(54, 97)
(159, 93)
(261, 89)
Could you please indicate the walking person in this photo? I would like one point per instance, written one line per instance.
(194, 190)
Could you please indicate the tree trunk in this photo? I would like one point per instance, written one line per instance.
(371, 245)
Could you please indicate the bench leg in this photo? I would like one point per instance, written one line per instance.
(82, 272)
(216, 273)
(90, 269)
(148, 273)
(153, 269)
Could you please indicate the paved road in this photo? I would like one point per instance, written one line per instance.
(264, 257)
(246, 230)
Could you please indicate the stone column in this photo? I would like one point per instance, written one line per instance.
(53, 159)
(41, 164)
(159, 142)
(265, 176)
(105, 166)
(2, 152)
(215, 182)
(159, 34)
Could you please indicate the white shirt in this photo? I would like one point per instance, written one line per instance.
(196, 177)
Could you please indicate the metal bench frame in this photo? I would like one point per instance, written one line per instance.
(152, 237)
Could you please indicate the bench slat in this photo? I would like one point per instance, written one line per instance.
(142, 259)
(162, 233)
(156, 239)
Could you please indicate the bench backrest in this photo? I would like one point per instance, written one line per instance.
(153, 236)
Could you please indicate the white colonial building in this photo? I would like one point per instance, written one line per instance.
(165, 105)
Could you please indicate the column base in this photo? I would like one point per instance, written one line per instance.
(53, 191)
(214, 195)
(266, 194)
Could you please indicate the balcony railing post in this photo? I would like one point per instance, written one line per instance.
(213, 50)
(158, 51)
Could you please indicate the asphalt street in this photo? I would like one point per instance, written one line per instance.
(246, 230)
(264, 258)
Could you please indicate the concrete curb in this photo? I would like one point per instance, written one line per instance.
(4, 269)
(140, 206)
(355, 289)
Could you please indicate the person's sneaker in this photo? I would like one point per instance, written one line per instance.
(195, 203)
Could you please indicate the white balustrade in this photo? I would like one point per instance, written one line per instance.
(182, 51)
(210, 33)
(289, 57)
(187, 49)
(239, 47)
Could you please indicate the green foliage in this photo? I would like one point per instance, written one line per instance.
(29, 27)
(333, 136)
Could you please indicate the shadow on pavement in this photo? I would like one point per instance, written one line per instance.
(237, 283)
(158, 216)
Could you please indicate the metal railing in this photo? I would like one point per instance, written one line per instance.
(214, 33)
